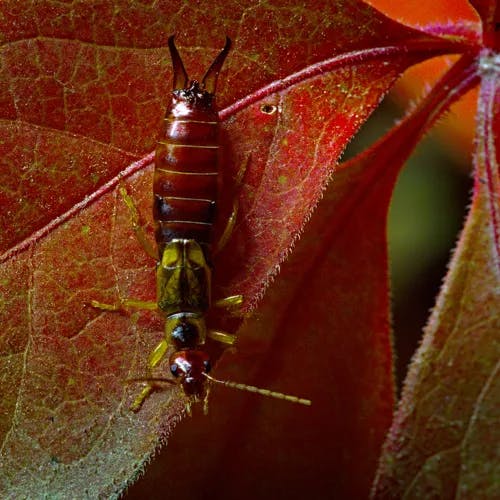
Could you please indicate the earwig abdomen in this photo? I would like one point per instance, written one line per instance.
(186, 172)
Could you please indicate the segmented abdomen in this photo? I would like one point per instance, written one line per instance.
(185, 180)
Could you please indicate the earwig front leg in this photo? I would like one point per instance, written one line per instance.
(232, 303)
(156, 355)
(154, 358)
(205, 399)
(138, 229)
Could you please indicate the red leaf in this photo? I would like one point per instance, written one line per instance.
(98, 99)
(440, 443)
(104, 91)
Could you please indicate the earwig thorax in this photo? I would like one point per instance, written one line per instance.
(185, 330)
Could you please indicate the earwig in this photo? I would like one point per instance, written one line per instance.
(184, 202)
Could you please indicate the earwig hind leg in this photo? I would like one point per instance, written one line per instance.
(231, 222)
(241, 172)
(105, 307)
(233, 301)
(155, 357)
(222, 337)
(138, 229)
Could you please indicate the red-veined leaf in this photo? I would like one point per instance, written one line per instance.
(80, 104)
(65, 412)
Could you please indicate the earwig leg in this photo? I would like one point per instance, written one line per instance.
(157, 354)
(241, 172)
(232, 304)
(205, 399)
(105, 307)
(229, 302)
(231, 222)
(140, 304)
(124, 304)
(228, 230)
(139, 400)
(140, 234)
(222, 337)
(154, 358)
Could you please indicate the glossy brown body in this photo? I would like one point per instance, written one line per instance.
(185, 192)
(186, 171)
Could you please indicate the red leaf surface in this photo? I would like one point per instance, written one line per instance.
(78, 105)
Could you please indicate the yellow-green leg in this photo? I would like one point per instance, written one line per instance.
(124, 304)
(205, 399)
(231, 222)
(231, 302)
(228, 230)
(156, 355)
(222, 337)
(138, 229)
(154, 358)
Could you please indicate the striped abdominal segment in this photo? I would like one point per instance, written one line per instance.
(186, 180)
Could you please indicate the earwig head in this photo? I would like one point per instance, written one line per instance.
(190, 92)
(190, 367)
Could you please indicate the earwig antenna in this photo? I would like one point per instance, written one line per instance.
(258, 390)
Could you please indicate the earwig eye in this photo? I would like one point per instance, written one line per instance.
(174, 369)
(207, 366)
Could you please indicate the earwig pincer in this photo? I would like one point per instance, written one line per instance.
(185, 189)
